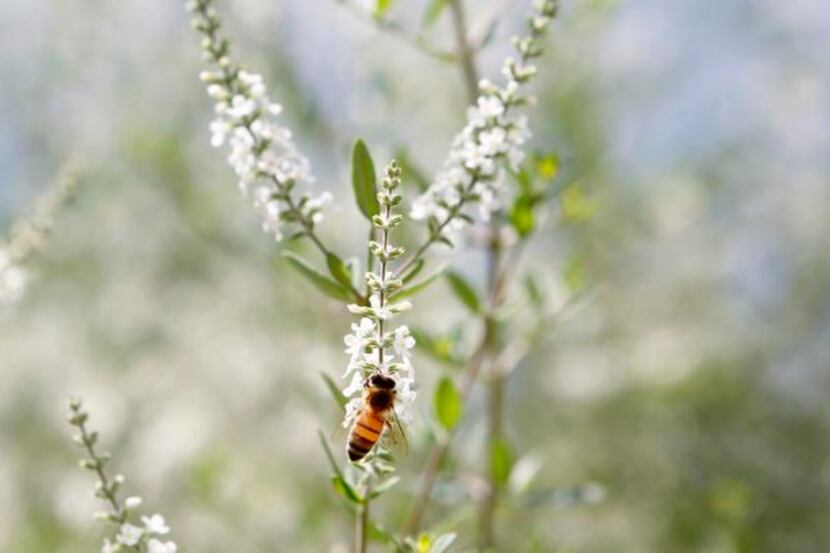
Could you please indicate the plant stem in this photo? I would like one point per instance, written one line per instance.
(495, 393)
(487, 345)
(399, 32)
(362, 530)
(466, 54)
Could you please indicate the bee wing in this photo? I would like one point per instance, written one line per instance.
(396, 431)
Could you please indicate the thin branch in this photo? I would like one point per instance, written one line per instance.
(362, 530)
(466, 54)
(400, 33)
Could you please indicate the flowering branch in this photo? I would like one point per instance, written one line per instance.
(28, 235)
(263, 154)
(140, 539)
(374, 349)
(476, 143)
(494, 134)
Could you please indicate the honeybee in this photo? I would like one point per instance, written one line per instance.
(377, 412)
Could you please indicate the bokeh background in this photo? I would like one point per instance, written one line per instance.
(692, 385)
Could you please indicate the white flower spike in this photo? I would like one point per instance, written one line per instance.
(493, 137)
(262, 153)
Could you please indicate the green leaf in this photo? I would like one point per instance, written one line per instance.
(413, 271)
(417, 287)
(378, 490)
(332, 387)
(447, 403)
(442, 543)
(521, 215)
(364, 181)
(464, 291)
(381, 7)
(501, 461)
(345, 489)
(441, 348)
(433, 11)
(339, 270)
(329, 455)
(318, 279)
(547, 166)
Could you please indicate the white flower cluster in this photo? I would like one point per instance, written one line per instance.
(262, 152)
(373, 346)
(494, 135)
(129, 537)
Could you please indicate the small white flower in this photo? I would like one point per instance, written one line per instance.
(403, 342)
(353, 407)
(355, 386)
(155, 524)
(110, 547)
(132, 502)
(156, 546)
(129, 535)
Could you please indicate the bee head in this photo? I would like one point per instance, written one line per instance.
(381, 381)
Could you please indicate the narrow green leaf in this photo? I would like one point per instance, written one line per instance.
(464, 291)
(385, 486)
(441, 348)
(329, 455)
(442, 543)
(501, 461)
(318, 279)
(339, 270)
(417, 287)
(364, 181)
(334, 389)
(433, 11)
(345, 489)
(447, 403)
(413, 271)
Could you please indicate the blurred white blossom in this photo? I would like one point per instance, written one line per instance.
(28, 235)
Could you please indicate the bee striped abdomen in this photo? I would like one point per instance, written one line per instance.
(364, 435)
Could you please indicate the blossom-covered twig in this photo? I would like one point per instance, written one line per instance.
(493, 136)
(28, 235)
(375, 349)
(128, 537)
(262, 152)
(372, 346)
(458, 167)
